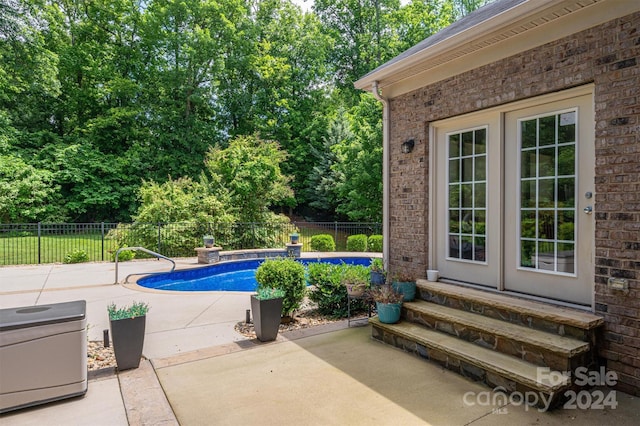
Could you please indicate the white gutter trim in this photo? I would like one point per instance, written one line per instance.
(385, 173)
(506, 18)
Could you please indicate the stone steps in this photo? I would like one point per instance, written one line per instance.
(541, 316)
(534, 346)
(496, 369)
(509, 343)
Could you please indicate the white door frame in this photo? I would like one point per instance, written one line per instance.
(501, 112)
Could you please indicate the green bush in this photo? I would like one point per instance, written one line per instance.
(76, 256)
(323, 242)
(375, 243)
(124, 255)
(287, 275)
(329, 292)
(357, 242)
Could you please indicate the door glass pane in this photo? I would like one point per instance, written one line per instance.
(467, 156)
(547, 192)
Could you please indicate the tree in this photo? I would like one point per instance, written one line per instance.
(249, 168)
(25, 192)
(326, 175)
(360, 193)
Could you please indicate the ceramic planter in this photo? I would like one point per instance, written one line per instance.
(389, 313)
(128, 339)
(355, 290)
(208, 241)
(266, 317)
(294, 238)
(406, 288)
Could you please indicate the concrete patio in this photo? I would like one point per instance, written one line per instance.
(200, 371)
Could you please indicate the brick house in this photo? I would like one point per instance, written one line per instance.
(512, 165)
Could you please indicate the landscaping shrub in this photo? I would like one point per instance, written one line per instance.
(124, 255)
(328, 291)
(287, 275)
(374, 243)
(76, 256)
(323, 242)
(357, 242)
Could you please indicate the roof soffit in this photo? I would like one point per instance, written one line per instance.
(492, 39)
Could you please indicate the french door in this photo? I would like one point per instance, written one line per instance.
(514, 196)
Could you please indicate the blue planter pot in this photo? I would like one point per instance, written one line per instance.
(389, 313)
(376, 278)
(407, 289)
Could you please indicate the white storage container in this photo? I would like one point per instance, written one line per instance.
(43, 354)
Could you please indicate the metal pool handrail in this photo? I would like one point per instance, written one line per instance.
(153, 253)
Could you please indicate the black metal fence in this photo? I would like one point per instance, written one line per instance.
(34, 243)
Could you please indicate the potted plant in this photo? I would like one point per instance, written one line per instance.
(406, 285)
(127, 333)
(266, 307)
(355, 281)
(209, 240)
(376, 274)
(388, 303)
(295, 237)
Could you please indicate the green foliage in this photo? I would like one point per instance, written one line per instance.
(266, 293)
(136, 309)
(324, 176)
(124, 256)
(287, 275)
(323, 242)
(359, 193)
(377, 265)
(328, 290)
(357, 242)
(26, 193)
(182, 201)
(356, 276)
(76, 256)
(97, 97)
(249, 168)
(374, 243)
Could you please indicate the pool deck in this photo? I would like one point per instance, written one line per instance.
(200, 371)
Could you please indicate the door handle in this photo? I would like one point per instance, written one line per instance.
(588, 210)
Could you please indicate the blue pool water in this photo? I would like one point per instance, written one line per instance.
(237, 275)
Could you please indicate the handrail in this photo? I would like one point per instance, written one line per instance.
(153, 253)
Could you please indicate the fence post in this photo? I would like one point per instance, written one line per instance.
(335, 232)
(102, 239)
(39, 242)
(159, 237)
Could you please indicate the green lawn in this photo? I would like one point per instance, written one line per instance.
(53, 248)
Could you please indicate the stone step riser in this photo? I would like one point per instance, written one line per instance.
(466, 369)
(512, 316)
(534, 354)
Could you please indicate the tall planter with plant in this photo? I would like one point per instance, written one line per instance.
(266, 307)
(355, 279)
(127, 333)
(388, 303)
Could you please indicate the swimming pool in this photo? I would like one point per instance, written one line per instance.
(237, 275)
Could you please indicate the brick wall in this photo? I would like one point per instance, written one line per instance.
(609, 57)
